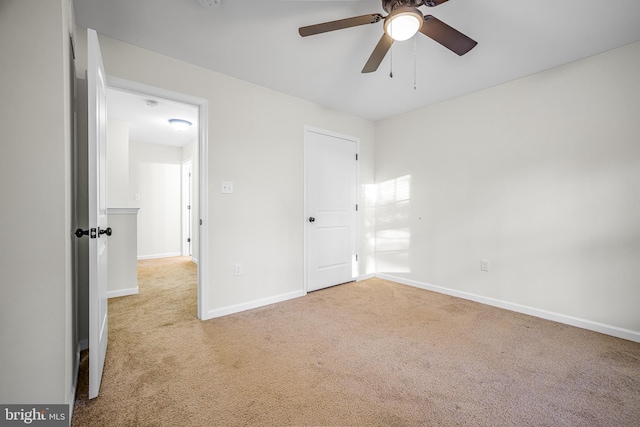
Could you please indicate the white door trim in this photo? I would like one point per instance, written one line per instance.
(203, 172)
(307, 130)
(187, 205)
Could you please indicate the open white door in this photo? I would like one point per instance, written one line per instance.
(97, 169)
(331, 211)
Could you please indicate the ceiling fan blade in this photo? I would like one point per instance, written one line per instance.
(447, 36)
(340, 24)
(378, 54)
(434, 3)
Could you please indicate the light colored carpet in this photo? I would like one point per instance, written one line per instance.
(372, 353)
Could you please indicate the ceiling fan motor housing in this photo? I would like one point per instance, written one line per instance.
(390, 5)
(403, 21)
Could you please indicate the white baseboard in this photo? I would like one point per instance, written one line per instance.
(168, 255)
(194, 260)
(615, 331)
(122, 292)
(365, 277)
(224, 311)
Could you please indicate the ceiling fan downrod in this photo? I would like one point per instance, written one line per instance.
(390, 5)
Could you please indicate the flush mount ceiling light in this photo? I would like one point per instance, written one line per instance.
(179, 124)
(403, 23)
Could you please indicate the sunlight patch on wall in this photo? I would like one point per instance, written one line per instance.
(370, 192)
(392, 230)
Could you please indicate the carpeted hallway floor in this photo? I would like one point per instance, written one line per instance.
(372, 353)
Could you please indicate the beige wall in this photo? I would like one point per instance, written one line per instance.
(540, 176)
(256, 140)
(153, 172)
(119, 195)
(37, 329)
(156, 176)
(122, 273)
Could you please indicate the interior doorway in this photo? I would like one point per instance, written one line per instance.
(187, 213)
(158, 184)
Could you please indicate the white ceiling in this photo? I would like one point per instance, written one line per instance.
(151, 124)
(258, 41)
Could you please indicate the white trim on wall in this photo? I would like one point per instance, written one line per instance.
(122, 292)
(154, 256)
(531, 311)
(224, 311)
(202, 225)
(186, 199)
(122, 211)
(74, 383)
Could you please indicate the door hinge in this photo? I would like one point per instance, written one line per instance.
(189, 240)
(356, 157)
(356, 257)
(356, 207)
(188, 206)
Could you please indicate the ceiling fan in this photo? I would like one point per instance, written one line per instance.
(402, 22)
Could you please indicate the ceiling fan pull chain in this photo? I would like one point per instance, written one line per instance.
(391, 62)
(414, 62)
(391, 54)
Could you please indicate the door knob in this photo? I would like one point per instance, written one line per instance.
(80, 232)
(91, 233)
(107, 231)
(311, 219)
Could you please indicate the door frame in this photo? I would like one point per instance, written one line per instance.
(311, 129)
(203, 171)
(187, 205)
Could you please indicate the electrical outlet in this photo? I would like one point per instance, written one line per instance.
(484, 265)
(227, 187)
(238, 269)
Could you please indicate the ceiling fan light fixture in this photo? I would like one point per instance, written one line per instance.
(403, 23)
(179, 124)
